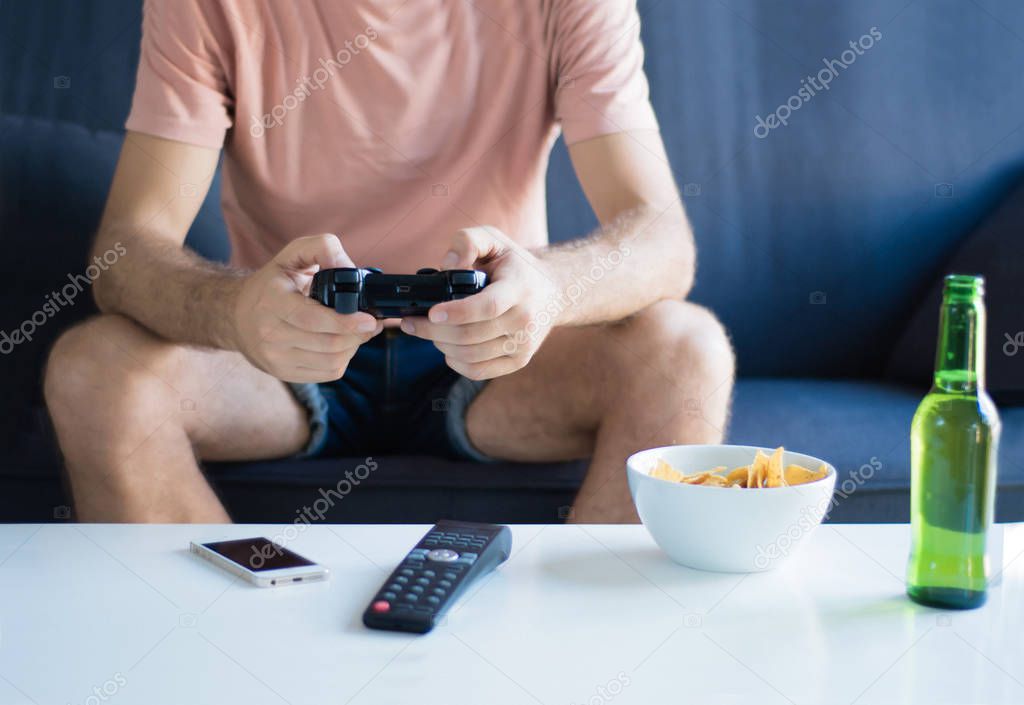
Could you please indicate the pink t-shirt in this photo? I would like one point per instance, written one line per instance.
(392, 123)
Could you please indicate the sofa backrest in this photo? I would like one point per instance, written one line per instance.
(815, 237)
(855, 203)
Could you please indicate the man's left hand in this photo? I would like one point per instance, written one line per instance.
(497, 331)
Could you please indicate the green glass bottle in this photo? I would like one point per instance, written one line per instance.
(953, 444)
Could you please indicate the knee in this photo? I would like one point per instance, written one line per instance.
(107, 367)
(679, 339)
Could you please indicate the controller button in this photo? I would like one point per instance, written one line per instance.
(442, 555)
(426, 270)
(463, 278)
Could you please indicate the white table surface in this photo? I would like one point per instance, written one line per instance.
(123, 614)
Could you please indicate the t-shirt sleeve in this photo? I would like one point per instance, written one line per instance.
(181, 88)
(598, 60)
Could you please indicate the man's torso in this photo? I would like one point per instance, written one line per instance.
(389, 124)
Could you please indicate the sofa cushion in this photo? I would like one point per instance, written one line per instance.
(70, 60)
(994, 249)
(814, 239)
(861, 428)
(55, 178)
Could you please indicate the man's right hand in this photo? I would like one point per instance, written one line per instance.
(289, 335)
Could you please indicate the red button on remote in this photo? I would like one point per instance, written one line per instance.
(381, 606)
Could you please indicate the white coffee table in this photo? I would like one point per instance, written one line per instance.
(123, 614)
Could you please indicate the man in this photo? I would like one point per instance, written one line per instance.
(397, 134)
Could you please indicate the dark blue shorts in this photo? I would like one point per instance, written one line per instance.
(397, 397)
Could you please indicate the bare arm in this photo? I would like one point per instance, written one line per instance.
(157, 189)
(642, 253)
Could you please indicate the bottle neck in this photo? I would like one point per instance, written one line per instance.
(960, 357)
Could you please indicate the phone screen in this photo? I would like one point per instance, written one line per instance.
(258, 554)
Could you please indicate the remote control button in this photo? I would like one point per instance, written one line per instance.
(429, 574)
(389, 595)
(422, 581)
(442, 555)
(444, 584)
(402, 579)
(381, 606)
(434, 600)
(417, 589)
(450, 576)
(394, 587)
(439, 592)
(411, 597)
(405, 571)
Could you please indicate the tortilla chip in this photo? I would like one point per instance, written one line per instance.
(760, 469)
(714, 480)
(773, 471)
(797, 475)
(740, 476)
(765, 471)
(664, 471)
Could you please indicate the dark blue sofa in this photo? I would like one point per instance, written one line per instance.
(818, 239)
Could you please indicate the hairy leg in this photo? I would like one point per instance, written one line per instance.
(661, 377)
(134, 412)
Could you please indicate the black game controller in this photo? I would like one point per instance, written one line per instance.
(348, 290)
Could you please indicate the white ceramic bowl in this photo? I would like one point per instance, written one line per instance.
(734, 530)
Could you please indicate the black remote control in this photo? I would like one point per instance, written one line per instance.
(432, 576)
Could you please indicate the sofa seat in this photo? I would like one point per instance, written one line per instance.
(862, 428)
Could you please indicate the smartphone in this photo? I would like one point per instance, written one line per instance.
(260, 561)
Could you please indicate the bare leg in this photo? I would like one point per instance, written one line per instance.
(661, 377)
(133, 412)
